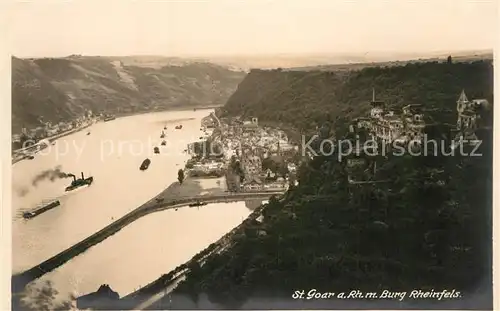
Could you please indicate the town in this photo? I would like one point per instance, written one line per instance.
(251, 157)
(259, 158)
(30, 141)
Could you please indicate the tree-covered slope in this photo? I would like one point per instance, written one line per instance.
(306, 99)
(425, 226)
(58, 89)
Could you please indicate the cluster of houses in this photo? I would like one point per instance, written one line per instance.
(206, 168)
(251, 145)
(48, 130)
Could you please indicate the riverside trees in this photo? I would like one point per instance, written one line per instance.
(180, 176)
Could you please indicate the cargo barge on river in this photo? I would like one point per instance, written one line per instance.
(41, 209)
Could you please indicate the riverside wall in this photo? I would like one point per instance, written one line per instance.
(19, 281)
(132, 300)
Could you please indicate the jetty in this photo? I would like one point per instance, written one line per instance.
(19, 281)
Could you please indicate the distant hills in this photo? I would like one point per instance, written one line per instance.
(339, 60)
(58, 89)
(299, 61)
(402, 60)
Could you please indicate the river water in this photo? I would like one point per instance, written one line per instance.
(112, 154)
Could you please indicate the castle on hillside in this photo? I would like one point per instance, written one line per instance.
(387, 126)
(411, 122)
(471, 116)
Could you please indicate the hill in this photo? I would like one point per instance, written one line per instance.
(360, 62)
(307, 99)
(426, 226)
(57, 89)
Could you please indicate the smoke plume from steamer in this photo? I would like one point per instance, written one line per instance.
(21, 192)
(51, 175)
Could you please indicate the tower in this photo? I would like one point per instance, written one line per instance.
(377, 106)
(462, 102)
(465, 116)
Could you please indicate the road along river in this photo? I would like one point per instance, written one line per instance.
(112, 154)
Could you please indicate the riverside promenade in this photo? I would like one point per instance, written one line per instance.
(19, 281)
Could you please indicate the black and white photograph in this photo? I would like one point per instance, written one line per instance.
(253, 155)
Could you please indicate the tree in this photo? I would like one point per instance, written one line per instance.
(180, 176)
(41, 297)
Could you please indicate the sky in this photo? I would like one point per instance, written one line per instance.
(50, 28)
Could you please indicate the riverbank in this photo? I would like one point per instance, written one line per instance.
(171, 195)
(50, 139)
(175, 196)
(173, 108)
(152, 294)
(18, 158)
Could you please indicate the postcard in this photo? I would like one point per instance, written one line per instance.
(250, 155)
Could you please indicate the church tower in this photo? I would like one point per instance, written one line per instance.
(466, 117)
(377, 106)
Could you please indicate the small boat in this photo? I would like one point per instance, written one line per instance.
(109, 118)
(165, 127)
(41, 209)
(156, 150)
(162, 134)
(164, 143)
(30, 157)
(145, 164)
(178, 127)
(198, 203)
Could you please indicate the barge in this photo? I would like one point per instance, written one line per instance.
(198, 203)
(41, 209)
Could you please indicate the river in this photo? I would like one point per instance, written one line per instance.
(112, 154)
